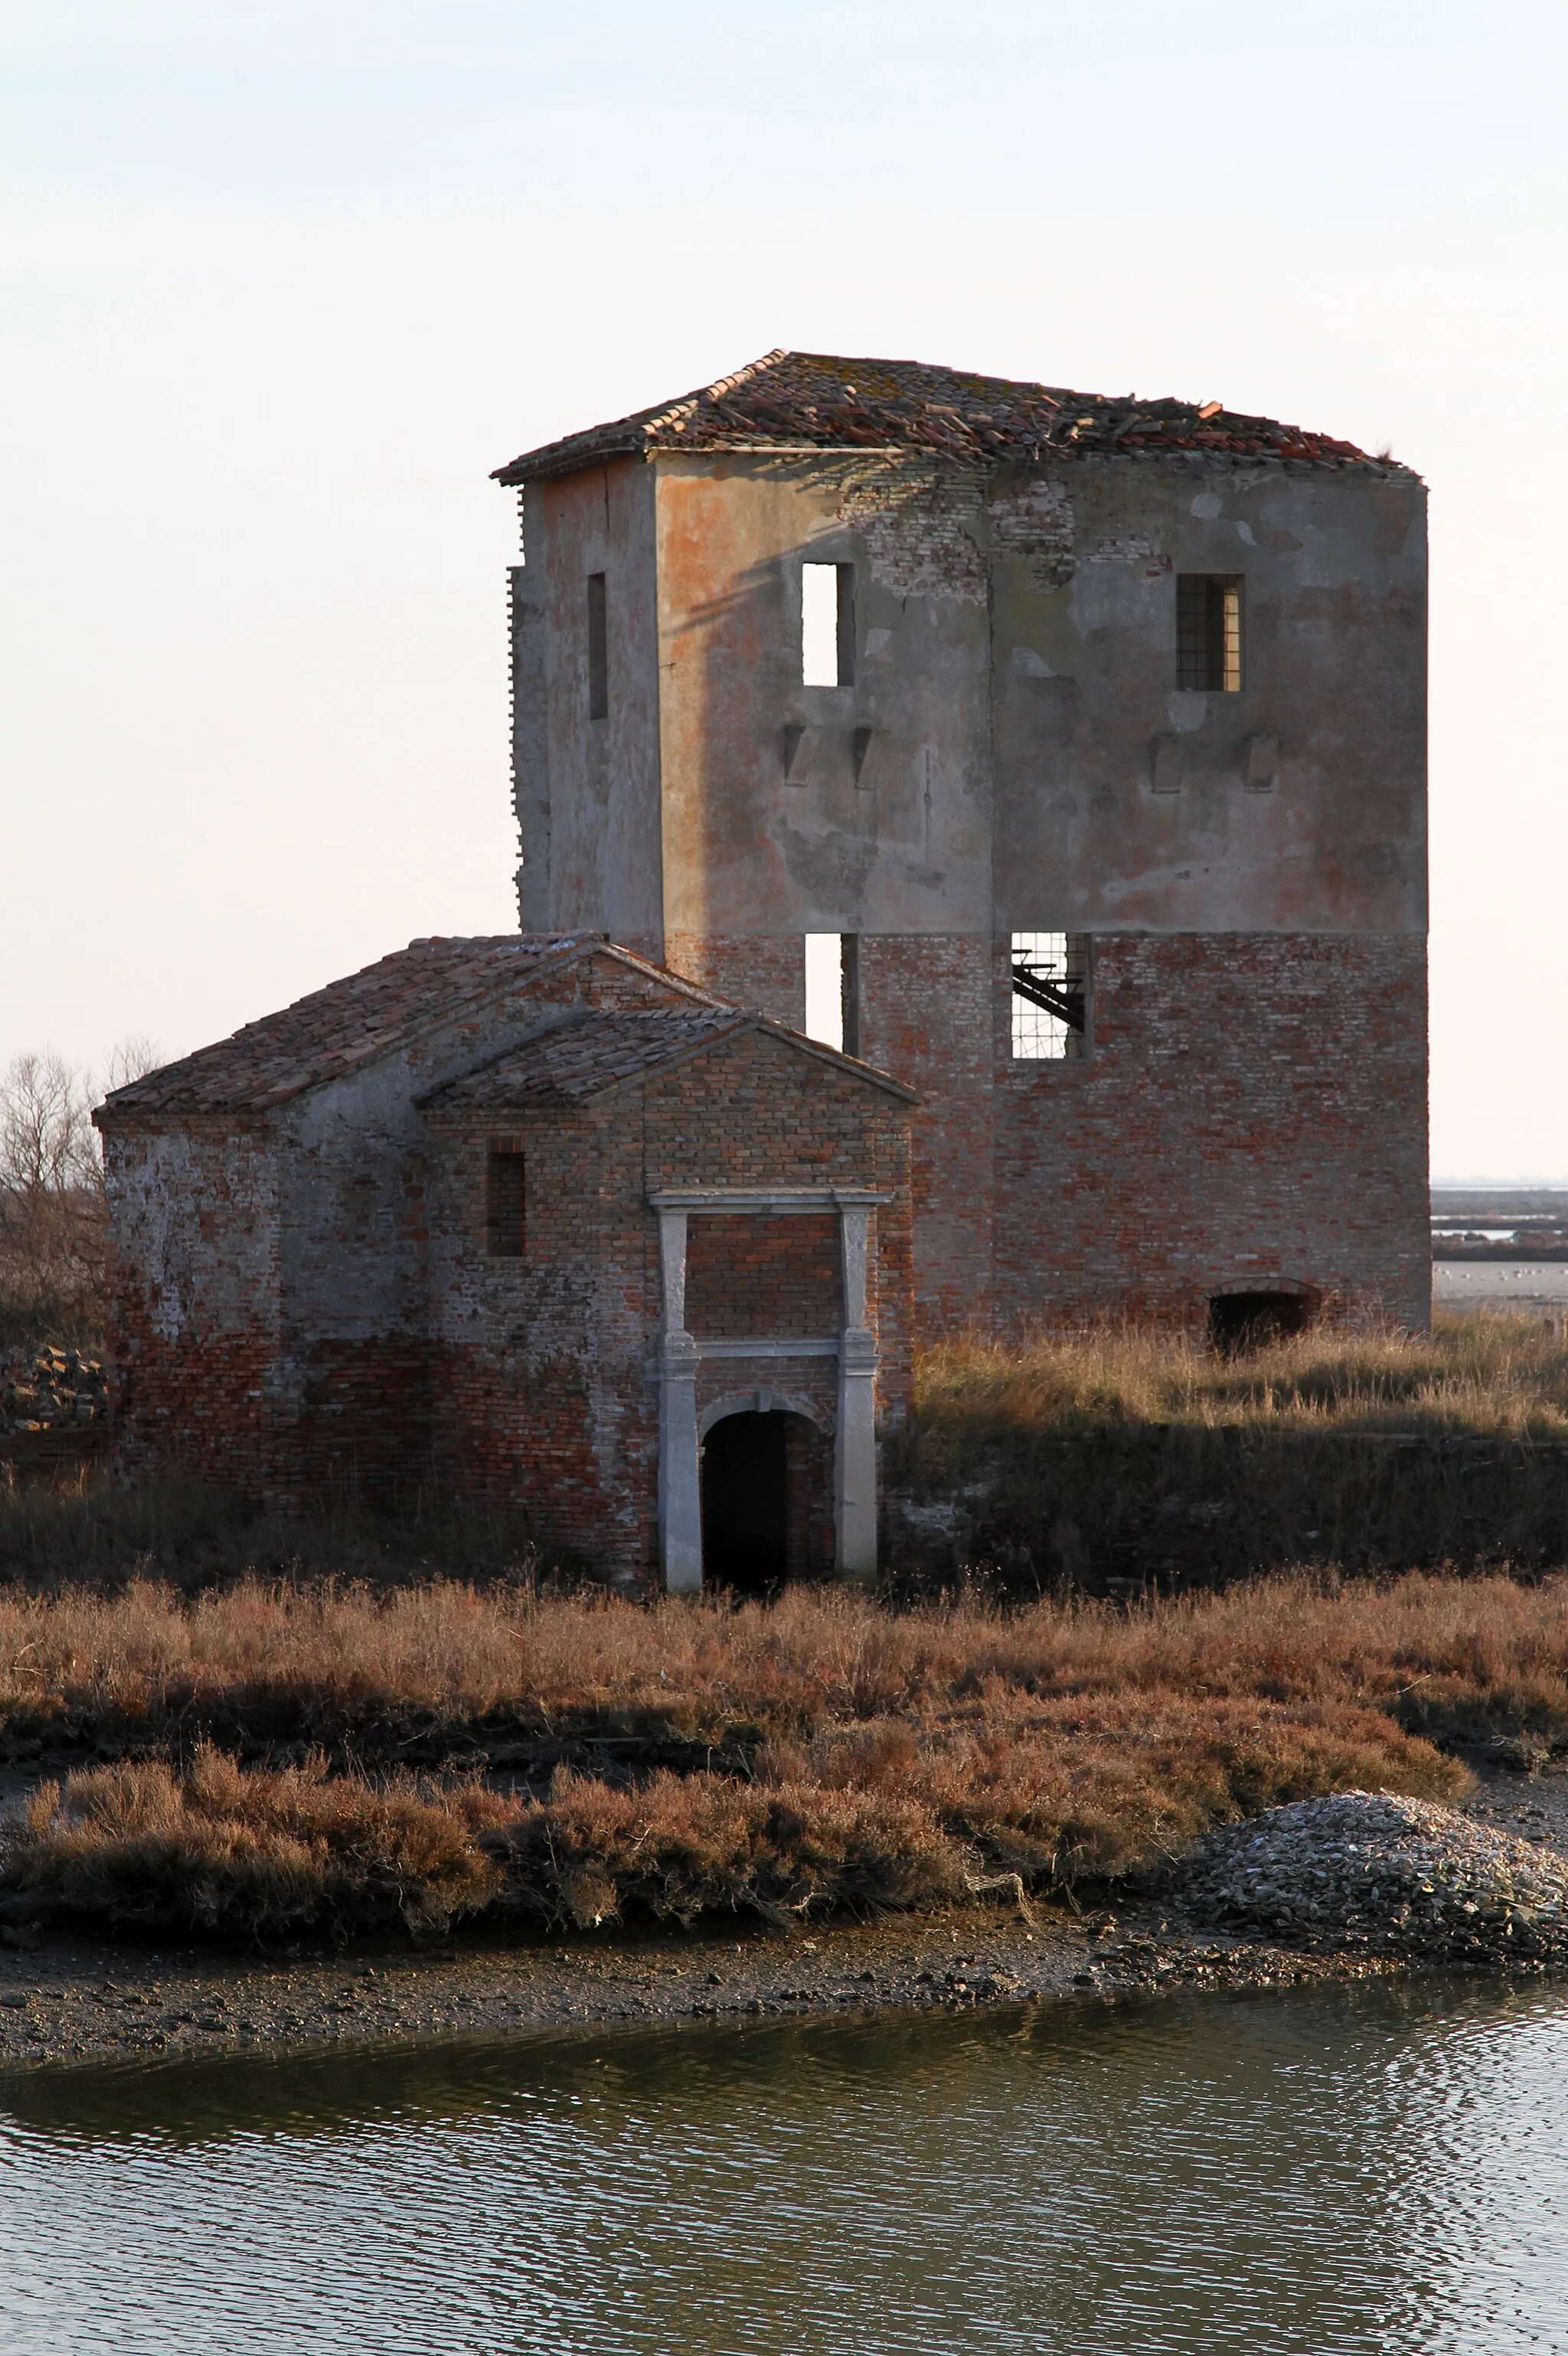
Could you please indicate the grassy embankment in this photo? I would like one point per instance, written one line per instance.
(1127, 1455)
(827, 1751)
(1100, 1455)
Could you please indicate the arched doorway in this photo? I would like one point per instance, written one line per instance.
(767, 1501)
(1240, 1321)
(745, 1503)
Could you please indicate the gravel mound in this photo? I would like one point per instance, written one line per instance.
(1393, 1876)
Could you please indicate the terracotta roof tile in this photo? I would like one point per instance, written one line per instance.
(588, 1054)
(813, 400)
(350, 1022)
(583, 1056)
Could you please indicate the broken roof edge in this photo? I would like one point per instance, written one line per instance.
(796, 404)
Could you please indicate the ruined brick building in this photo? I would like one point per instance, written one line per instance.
(1080, 741)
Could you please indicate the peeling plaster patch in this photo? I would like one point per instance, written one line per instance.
(1206, 506)
(1034, 520)
(877, 640)
(1129, 548)
(921, 525)
(1188, 710)
(1032, 666)
(1245, 532)
(831, 870)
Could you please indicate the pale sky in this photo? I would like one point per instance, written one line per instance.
(280, 280)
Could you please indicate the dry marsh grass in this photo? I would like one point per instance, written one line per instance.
(1124, 1452)
(1484, 1375)
(881, 1759)
(151, 1663)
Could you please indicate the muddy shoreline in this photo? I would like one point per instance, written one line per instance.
(82, 2000)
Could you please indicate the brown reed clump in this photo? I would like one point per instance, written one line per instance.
(218, 1850)
(875, 1759)
(876, 1817)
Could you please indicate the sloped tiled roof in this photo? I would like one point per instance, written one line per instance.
(590, 1053)
(584, 1055)
(814, 399)
(349, 1023)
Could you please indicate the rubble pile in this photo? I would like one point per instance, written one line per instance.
(50, 1390)
(1368, 1870)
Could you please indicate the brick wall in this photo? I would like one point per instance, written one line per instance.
(545, 1402)
(1253, 1111)
(547, 1398)
(771, 1273)
(925, 1016)
(763, 972)
(197, 1378)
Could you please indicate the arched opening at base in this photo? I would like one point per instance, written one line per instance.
(767, 1512)
(1250, 1321)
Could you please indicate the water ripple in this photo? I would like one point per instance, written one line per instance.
(1352, 2170)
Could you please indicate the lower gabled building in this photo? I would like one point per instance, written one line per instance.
(537, 1225)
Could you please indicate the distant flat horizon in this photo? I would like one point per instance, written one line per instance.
(1503, 1185)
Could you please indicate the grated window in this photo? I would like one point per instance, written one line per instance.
(505, 1215)
(1208, 632)
(1051, 996)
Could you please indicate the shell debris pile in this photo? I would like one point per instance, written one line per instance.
(1390, 1875)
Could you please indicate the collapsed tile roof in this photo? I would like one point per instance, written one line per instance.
(590, 1053)
(350, 1022)
(794, 401)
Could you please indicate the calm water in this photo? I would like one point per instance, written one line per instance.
(1329, 2173)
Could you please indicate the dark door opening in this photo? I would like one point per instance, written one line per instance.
(745, 1503)
(1250, 1321)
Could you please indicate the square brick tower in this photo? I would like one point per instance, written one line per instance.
(1082, 740)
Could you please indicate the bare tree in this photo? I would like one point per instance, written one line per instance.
(52, 1214)
(131, 1058)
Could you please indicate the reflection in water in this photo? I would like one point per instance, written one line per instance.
(1326, 2173)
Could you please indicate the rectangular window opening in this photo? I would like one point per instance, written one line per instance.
(1208, 632)
(827, 625)
(506, 1217)
(849, 992)
(598, 650)
(826, 994)
(1050, 997)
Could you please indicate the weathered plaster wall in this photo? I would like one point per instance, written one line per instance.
(195, 1322)
(1027, 762)
(1015, 663)
(586, 789)
(271, 1328)
(1334, 674)
(746, 850)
